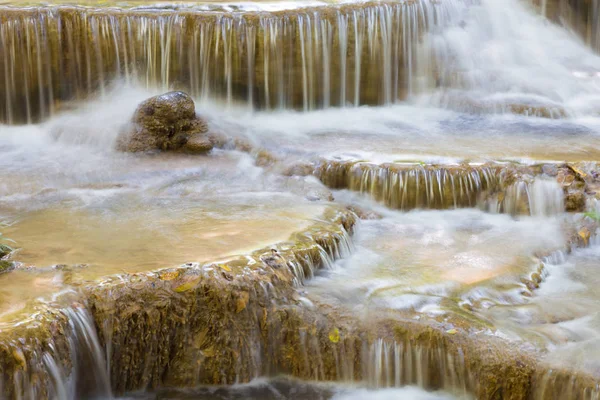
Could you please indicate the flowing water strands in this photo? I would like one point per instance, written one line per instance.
(409, 186)
(321, 255)
(55, 355)
(537, 197)
(381, 363)
(581, 16)
(305, 58)
(60, 354)
(430, 365)
(554, 384)
(497, 188)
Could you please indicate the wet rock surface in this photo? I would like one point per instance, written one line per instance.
(6, 266)
(507, 188)
(231, 321)
(166, 122)
(5, 250)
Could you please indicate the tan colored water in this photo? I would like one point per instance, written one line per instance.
(132, 214)
(128, 243)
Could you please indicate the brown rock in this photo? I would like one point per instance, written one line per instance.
(164, 122)
(575, 201)
(218, 139)
(264, 158)
(363, 213)
(299, 169)
(198, 144)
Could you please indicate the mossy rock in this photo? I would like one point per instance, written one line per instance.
(5, 250)
(575, 201)
(198, 144)
(6, 266)
(166, 122)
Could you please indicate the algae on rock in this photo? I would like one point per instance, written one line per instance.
(166, 122)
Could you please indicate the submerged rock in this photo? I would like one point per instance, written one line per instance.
(299, 169)
(6, 266)
(166, 122)
(5, 250)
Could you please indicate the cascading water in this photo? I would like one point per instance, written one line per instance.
(421, 117)
(503, 58)
(302, 58)
(542, 197)
(581, 16)
(69, 366)
(408, 186)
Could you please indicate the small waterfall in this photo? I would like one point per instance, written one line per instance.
(325, 251)
(303, 58)
(387, 363)
(580, 16)
(407, 187)
(541, 198)
(69, 364)
(556, 384)
(89, 355)
(396, 364)
(494, 188)
(503, 58)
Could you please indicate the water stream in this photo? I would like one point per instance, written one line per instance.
(464, 133)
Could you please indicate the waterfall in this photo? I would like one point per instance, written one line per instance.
(304, 58)
(406, 187)
(581, 16)
(505, 59)
(541, 198)
(68, 365)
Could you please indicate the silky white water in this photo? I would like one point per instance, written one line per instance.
(267, 389)
(503, 57)
(462, 81)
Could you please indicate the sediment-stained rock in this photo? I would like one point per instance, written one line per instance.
(218, 323)
(60, 342)
(166, 122)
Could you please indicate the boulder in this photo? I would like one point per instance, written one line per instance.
(166, 122)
